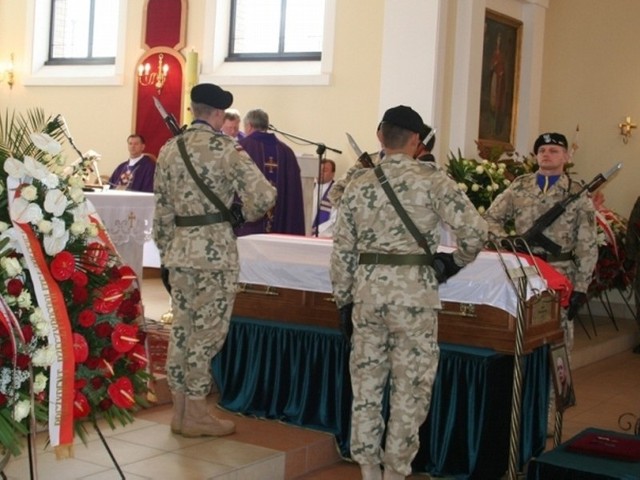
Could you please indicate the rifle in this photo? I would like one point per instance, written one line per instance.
(168, 118)
(535, 236)
(235, 211)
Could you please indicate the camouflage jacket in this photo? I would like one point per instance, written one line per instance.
(227, 171)
(368, 223)
(632, 240)
(575, 230)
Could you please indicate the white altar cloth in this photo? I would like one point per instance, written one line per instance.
(128, 218)
(302, 263)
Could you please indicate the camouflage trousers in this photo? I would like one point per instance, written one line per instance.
(202, 302)
(399, 344)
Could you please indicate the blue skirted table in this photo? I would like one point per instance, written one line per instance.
(300, 375)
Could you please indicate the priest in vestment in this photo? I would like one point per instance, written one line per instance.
(280, 166)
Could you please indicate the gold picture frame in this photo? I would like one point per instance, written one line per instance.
(562, 377)
(500, 81)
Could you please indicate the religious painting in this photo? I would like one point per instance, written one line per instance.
(500, 78)
(562, 379)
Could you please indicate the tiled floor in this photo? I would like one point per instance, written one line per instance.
(606, 380)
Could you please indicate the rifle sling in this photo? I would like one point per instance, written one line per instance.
(200, 183)
(402, 213)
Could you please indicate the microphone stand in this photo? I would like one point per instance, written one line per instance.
(320, 151)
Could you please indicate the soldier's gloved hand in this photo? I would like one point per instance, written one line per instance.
(346, 324)
(164, 276)
(575, 302)
(444, 266)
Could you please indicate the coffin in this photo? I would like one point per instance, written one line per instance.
(286, 279)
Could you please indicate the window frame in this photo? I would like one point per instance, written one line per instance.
(215, 49)
(39, 73)
(280, 55)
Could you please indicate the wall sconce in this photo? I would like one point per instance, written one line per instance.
(625, 129)
(146, 77)
(6, 72)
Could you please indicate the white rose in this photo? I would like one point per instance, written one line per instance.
(36, 316)
(77, 228)
(45, 226)
(475, 187)
(479, 169)
(92, 230)
(24, 299)
(76, 194)
(3, 227)
(29, 192)
(507, 182)
(51, 180)
(39, 383)
(21, 410)
(11, 266)
(481, 209)
(488, 188)
(463, 186)
(44, 357)
(40, 328)
(76, 181)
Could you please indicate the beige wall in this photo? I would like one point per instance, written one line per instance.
(592, 77)
(100, 118)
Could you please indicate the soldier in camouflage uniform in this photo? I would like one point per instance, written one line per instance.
(379, 268)
(632, 250)
(199, 249)
(531, 195)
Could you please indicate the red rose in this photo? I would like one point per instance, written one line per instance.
(110, 354)
(14, 287)
(97, 382)
(62, 266)
(103, 330)
(105, 404)
(92, 363)
(121, 393)
(79, 294)
(79, 278)
(23, 361)
(87, 318)
(27, 332)
(3, 399)
(129, 310)
(79, 384)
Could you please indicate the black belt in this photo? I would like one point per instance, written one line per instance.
(394, 259)
(561, 257)
(199, 220)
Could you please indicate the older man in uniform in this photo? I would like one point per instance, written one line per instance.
(198, 247)
(378, 266)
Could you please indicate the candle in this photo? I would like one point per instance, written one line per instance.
(574, 143)
(191, 79)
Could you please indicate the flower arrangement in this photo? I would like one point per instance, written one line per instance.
(483, 180)
(71, 296)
